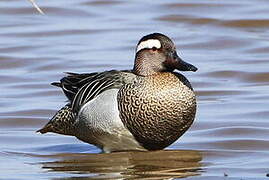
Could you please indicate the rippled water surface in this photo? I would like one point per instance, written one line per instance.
(228, 40)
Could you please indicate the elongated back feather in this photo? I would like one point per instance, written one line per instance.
(81, 88)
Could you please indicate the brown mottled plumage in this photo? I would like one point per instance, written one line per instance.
(157, 109)
(62, 122)
(147, 108)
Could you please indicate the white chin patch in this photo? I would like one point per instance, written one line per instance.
(149, 44)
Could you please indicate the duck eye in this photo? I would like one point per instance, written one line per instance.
(154, 48)
(175, 55)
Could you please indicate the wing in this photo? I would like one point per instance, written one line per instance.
(72, 83)
(81, 88)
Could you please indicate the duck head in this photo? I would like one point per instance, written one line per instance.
(157, 53)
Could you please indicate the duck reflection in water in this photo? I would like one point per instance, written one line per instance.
(123, 165)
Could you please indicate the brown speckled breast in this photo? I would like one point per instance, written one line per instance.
(157, 109)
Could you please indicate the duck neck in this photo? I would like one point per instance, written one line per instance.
(144, 66)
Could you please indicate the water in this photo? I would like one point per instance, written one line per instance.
(227, 41)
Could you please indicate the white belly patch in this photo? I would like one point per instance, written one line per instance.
(99, 123)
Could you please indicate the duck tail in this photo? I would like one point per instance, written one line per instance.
(62, 122)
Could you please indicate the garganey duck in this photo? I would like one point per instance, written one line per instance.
(146, 108)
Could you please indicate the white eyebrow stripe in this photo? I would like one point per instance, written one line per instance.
(149, 44)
